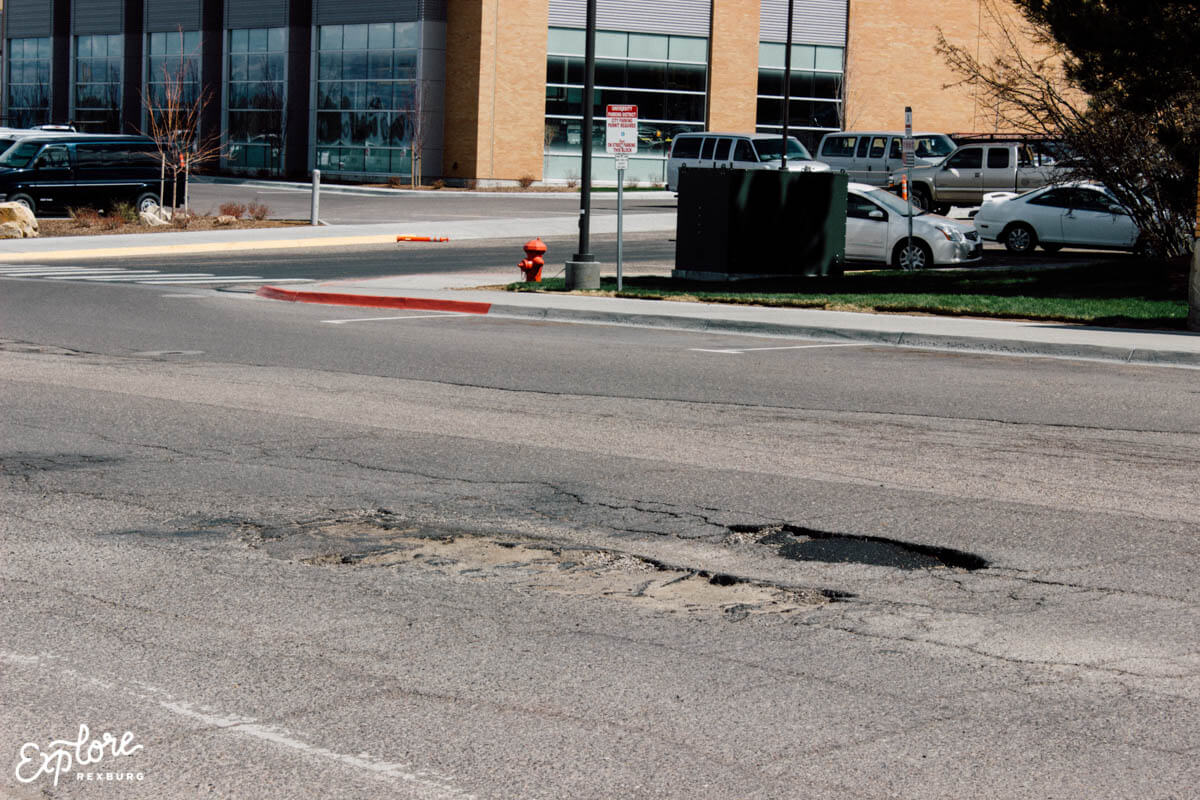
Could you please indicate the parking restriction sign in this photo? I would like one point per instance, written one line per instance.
(621, 130)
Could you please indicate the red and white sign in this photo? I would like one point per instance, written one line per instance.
(621, 130)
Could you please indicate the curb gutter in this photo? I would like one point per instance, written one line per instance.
(913, 339)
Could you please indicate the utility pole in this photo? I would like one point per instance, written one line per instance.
(582, 270)
(787, 89)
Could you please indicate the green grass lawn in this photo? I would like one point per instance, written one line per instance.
(1122, 293)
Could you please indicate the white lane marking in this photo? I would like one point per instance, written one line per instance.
(792, 347)
(127, 275)
(435, 786)
(64, 271)
(172, 279)
(406, 316)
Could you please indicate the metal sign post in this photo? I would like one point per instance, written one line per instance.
(908, 165)
(621, 141)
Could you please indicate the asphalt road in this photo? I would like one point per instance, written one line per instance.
(323, 552)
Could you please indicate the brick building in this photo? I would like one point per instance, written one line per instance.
(478, 89)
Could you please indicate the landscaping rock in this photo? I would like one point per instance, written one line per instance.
(22, 217)
(226, 219)
(155, 216)
(11, 230)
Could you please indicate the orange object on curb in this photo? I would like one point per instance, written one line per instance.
(903, 187)
(406, 238)
(533, 262)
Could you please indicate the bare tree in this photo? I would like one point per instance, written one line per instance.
(1024, 81)
(174, 125)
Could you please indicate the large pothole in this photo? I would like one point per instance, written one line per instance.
(575, 570)
(805, 544)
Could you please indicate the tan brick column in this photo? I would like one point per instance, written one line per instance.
(733, 66)
(495, 88)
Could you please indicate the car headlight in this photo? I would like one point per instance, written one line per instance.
(952, 233)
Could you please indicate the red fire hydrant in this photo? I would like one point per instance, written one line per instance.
(533, 262)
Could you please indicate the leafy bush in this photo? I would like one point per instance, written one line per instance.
(125, 212)
(525, 181)
(259, 211)
(235, 210)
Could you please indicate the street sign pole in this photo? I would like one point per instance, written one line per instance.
(620, 220)
(908, 162)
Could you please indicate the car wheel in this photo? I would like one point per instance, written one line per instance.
(922, 197)
(918, 256)
(26, 201)
(1051, 247)
(1020, 238)
(147, 201)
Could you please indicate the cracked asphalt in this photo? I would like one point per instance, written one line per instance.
(217, 553)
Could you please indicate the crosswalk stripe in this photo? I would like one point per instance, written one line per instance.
(130, 275)
(77, 274)
(210, 279)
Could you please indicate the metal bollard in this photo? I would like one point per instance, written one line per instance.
(316, 197)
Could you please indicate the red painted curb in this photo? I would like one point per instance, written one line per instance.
(373, 301)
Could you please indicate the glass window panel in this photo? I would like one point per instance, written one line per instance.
(828, 58)
(770, 81)
(687, 77)
(379, 36)
(275, 67)
(354, 65)
(649, 46)
(556, 69)
(331, 37)
(404, 95)
(802, 56)
(191, 41)
(116, 46)
(239, 41)
(402, 161)
(158, 43)
(43, 47)
(379, 94)
(688, 48)
(802, 84)
(83, 47)
(379, 64)
(256, 67)
(827, 86)
(567, 41)
(408, 36)
(329, 127)
(257, 40)
(770, 54)
(352, 159)
(398, 129)
(646, 76)
(354, 37)
(377, 130)
(610, 44)
(329, 66)
(237, 68)
(610, 73)
(277, 40)
(406, 65)
(378, 160)
(114, 72)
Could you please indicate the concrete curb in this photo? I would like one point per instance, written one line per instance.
(374, 301)
(830, 333)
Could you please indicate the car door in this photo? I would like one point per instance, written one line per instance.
(866, 229)
(1044, 213)
(723, 152)
(838, 152)
(998, 169)
(53, 182)
(1091, 220)
(744, 156)
(961, 177)
(872, 168)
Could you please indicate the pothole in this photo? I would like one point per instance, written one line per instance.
(586, 571)
(805, 544)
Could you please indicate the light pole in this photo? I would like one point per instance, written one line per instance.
(787, 89)
(582, 270)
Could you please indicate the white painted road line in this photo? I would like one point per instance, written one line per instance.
(46, 271)
(407, 316)
(127, 275)
(172, 279)
(792, 347)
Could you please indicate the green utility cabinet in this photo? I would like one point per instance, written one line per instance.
(739, 223)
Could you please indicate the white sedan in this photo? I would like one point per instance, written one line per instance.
(877, 231)
(1069, 215)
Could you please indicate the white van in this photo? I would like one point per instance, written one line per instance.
(870, 156)
(736, 151)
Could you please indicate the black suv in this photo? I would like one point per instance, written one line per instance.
(81, 171)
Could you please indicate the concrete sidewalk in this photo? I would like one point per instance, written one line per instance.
(459, 293)
(306, 237)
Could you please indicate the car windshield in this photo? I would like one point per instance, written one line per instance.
(20, 155)
(932, 146)
(769, 149)
(893, 203)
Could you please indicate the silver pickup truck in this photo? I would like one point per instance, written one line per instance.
(973, 170)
